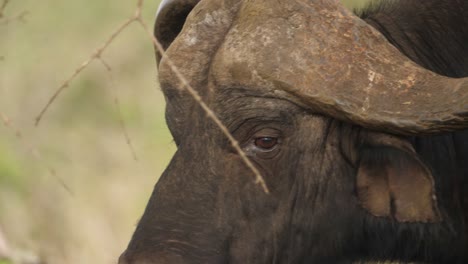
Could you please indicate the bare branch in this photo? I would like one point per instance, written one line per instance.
(97, 53)
(139, 9)
(137, 17)
(258, 177)
(6, 20)
(119, 109)
(34, 151)
(3, 7)
(19, 17)
(106, 65)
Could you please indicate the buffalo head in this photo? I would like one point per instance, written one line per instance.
(325, 108)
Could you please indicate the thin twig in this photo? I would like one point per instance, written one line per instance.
(6, 20)
(258, 177)
(19, 17)
(34, 151)
(97, 53)
(119, 109)
(3, 7)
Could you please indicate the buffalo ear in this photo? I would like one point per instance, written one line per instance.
(394, 183)
(170, 19)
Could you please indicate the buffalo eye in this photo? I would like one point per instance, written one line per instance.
(263, 143)
(266, 143)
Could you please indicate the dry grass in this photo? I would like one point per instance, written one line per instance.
(72, 189)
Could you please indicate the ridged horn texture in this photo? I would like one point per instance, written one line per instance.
(321, 56)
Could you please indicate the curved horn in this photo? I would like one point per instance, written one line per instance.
(170, 19)
(320, 55)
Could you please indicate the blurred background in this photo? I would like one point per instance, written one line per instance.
(72, 189)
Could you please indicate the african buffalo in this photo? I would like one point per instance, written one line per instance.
(358, 126)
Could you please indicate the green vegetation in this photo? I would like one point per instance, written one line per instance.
(9, 170)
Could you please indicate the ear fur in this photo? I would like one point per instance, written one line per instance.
(392, 182)
(170, 19)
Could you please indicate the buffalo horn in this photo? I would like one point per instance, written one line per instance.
(320, 55)
(315, 53)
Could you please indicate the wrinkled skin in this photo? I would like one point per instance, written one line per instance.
(206, 209)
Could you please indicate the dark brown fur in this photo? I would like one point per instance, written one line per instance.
(205, 208)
